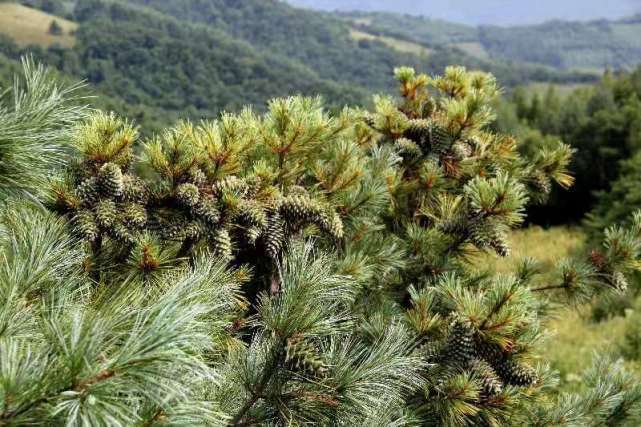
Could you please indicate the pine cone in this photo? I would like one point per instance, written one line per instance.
(514, 373)
(187, 195)
(302, 356)
(134, 189)
(110, 180)
(490, 381)
(499, 242)
(542, 183)
(206, 211)
(440, 138)
(230, 184)
(221, 244)
(484, 235)
(122, 234)
(87, 192)
(408, 148)
(300, 210)
(135, 215)
(274, 235)
(333, 225)
(418, 131)
(619, 281)
(197, 177)
(459, 348)
(192, 231)
(461, 150)
(252, 234)
(507, 369)
(86, 225)
(106, 213)
(252, 214)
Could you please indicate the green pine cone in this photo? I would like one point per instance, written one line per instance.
(461, 150)
(298, 190)
(173, 231)
(542, 182)
(87, 192)
(252, 234)
(110, 180)
(252, 214)
(187, 195)
(459, 347)
(192, 230)
(122, 234)
(106, 213)
(134, 189)
(408, 148)
(418, 131)
(514, 373)
(206, 211)
(85, 225)
(490, 352)
(430, 351)
(274, 235)
(231, 184)
(500, 244)
(221, 243)
(618, 281)
(197, 177)
(301, 209)
(440, 138)
(490, 381)
(485, 234)
(333, 225)
(134, 215)
(301, 355)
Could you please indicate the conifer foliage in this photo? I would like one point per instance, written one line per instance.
(296, 267)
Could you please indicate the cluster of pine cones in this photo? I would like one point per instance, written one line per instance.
(232, 213)
(465, 350)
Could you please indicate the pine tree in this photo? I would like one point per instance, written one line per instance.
(297, 267)
(460, 188)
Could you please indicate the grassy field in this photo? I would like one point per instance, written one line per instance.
(475, 49)
(546, 246)
(574, 337)
(396, 44)
(30, 26)
(561, 89)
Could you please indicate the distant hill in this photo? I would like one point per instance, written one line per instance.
(158, 60)
(593, 45)
(488, 12)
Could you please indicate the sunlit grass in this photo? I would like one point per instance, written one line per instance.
(574, 337)
(28, 26)
(396, 44)
(545, 246)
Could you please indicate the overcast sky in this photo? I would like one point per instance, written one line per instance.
(497, 12)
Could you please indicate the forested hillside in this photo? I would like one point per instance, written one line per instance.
(595, 45)
(158, 60)
(494, 12)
